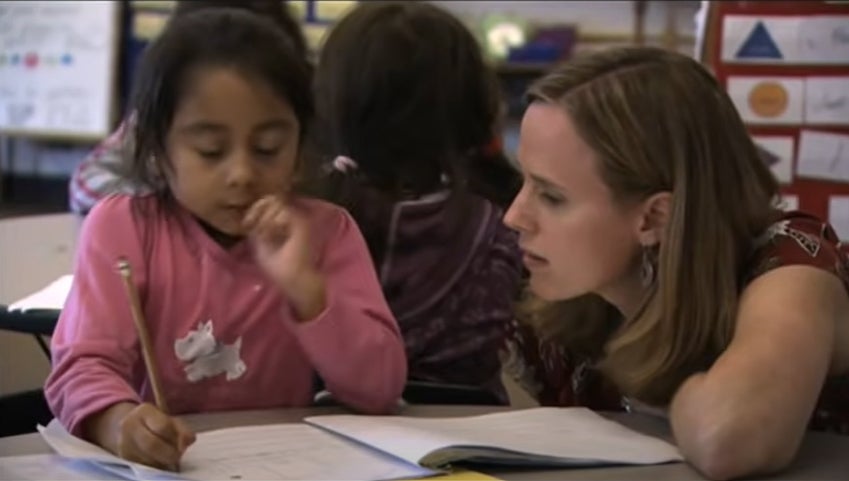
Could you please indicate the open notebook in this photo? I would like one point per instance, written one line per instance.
(393, 447)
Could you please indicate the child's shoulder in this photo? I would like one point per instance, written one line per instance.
(118, 211)
(321, 213)
(121, 204)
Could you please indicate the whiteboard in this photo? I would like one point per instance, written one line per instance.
(57, 68)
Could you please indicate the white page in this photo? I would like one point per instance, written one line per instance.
(51, 297)
(289, 451)
(72, 447)
(576, 433)
(823, 155)
(75, 448)
(827, 100)
(279, 451)
(50, 466)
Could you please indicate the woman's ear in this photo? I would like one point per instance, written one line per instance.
(653, 218)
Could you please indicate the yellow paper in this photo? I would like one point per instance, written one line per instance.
(314, 35)
(461, 476)
(161, 5)
(332, 10)
(298, 9)
(147, 25)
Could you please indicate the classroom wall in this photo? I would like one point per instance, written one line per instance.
(593, 17)
(605, 19)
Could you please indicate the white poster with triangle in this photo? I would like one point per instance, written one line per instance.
(755, 39)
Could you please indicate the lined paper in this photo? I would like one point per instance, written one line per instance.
(288, 451)
(278, 451)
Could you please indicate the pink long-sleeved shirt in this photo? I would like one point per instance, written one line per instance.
(223, 335)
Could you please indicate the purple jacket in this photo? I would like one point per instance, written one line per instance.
(451, 285)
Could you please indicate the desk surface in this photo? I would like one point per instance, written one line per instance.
(822, 457)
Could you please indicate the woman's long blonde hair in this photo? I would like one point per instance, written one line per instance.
(659, 122)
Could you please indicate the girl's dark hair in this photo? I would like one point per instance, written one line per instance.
(402, 89)
(223, 37)
(275, 10)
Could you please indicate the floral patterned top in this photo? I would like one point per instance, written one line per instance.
(555, 377)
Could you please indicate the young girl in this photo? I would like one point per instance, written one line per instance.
(103, 171)
(405, 99)
(248, 292)
(647, 212)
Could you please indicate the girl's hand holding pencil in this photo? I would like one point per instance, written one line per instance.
(141, 433)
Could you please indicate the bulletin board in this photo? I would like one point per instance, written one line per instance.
(57, 68)
(786, 67)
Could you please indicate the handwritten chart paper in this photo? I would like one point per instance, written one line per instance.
(56, 67)
(827, 100)
(823, 155)
(838, 215)
(824, 39)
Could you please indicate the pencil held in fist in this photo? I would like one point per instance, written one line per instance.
(147, 435)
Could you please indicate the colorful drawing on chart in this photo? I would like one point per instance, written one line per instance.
(31, 60)
(2, 59)
(15, 59)
(67, 59)
(759, 44)
(768, 99)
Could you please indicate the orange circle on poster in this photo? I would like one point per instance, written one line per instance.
(768, 99)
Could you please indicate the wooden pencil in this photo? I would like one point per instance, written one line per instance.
(144, 339)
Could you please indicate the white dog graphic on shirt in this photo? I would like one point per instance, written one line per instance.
(205, 357)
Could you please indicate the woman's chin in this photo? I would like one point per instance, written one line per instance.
(550, 291)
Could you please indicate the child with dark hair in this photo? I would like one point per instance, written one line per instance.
(104, 170)
(408, 109)
(249, 291)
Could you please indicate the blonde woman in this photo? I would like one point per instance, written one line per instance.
(647, 215)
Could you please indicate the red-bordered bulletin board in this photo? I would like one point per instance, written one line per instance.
(761, 52)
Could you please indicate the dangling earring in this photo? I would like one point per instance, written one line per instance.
(647, 267)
